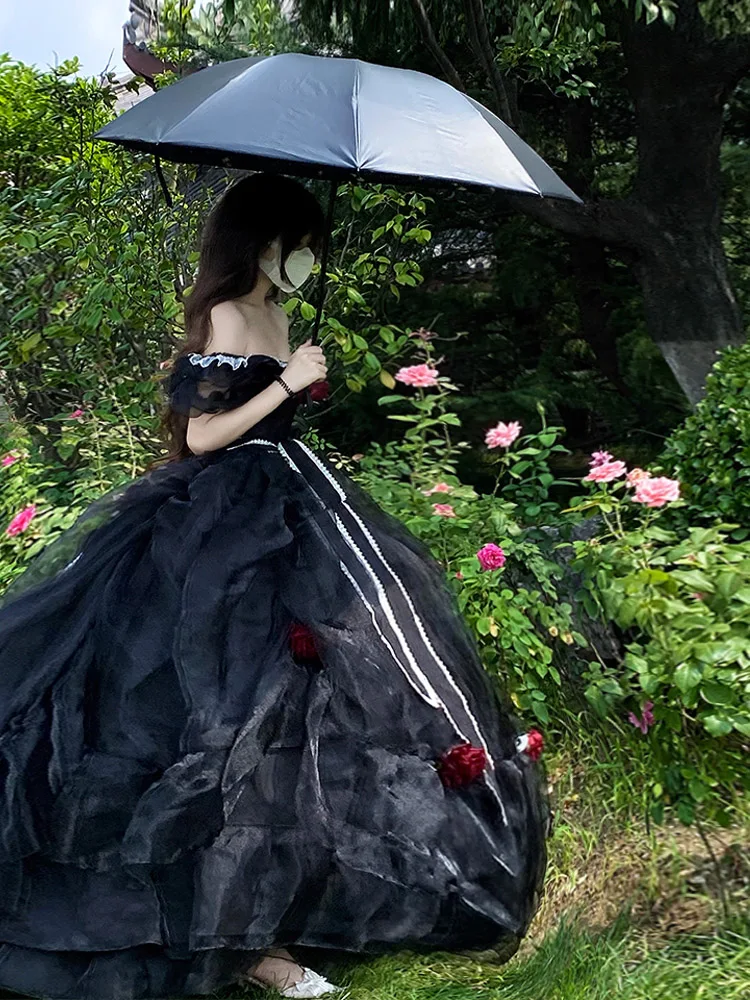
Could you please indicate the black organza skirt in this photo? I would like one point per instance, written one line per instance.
(182, 786)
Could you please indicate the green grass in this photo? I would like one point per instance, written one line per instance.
(571, 964)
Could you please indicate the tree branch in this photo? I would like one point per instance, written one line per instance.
(622, 223)
(481, 43)
(449, 70)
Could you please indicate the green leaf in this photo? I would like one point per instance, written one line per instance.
(717, 694)
(698, 790)
(26, 313)
(541, 711)
(694, 579)
(483, 626)
(520, 467)
(687, 677)
(686, 812)
(716, 725)
(26, 239)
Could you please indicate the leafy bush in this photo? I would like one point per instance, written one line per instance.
(53, 495)
(710, 452)
(682, 601)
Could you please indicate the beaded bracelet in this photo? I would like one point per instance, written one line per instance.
(286, 388)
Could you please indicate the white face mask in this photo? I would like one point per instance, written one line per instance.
(298, 267)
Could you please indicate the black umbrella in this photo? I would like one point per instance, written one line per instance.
(340, 119)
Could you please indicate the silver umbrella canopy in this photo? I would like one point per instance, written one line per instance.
(339, 119)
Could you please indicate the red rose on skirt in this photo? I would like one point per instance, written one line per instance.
(461, 765)
(302, 642)
(531, 743)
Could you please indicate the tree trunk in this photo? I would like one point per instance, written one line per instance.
(690, 308)
(588, 257)
(680, 80)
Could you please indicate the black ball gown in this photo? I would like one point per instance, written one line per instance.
(227, 694)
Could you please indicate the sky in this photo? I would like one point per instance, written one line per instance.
(43, 32)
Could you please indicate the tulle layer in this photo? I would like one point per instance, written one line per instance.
(180, 791)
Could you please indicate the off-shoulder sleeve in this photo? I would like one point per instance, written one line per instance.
(211, 383)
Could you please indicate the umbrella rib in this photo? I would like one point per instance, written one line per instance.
(355, 110)
(231, 82)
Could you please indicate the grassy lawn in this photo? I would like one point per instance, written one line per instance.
(571, 963)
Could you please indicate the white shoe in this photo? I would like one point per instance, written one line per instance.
(310, 985)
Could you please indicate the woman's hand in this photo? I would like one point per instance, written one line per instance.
(306, 365)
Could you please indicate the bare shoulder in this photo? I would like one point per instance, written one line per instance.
(228, 329)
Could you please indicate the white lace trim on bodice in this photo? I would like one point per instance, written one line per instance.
(234, 360)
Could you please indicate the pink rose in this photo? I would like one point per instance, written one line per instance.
(601, 458)
(646, 720)
(636, 475)
(502, 435)
(444, 509)
(491, 556)
(9, 460)
(657, 491)
(459, 575)
(438, 488)
(75, 415)
(605, 472)
(418, 375)
(21, 521)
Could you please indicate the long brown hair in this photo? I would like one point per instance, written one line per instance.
(248, 217)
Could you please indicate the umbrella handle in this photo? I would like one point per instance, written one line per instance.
(322, 278)
(163, 182)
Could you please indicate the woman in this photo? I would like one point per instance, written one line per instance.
(239, 710)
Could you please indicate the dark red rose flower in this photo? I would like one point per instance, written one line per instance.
(535, 745)
(531, 743)
(319, 391)
(461, 765)
(302, 642)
